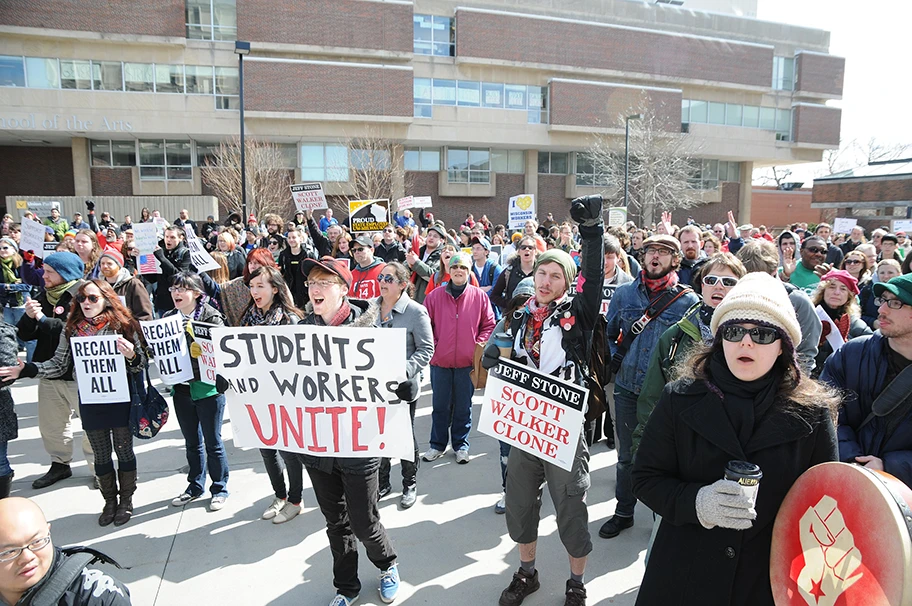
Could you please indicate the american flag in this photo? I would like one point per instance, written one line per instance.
(148, 264)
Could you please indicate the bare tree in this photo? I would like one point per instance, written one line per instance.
(373, 170)
(854, 153)
(774, 175)
(268, 177)
(874, 150)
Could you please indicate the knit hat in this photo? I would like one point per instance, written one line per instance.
(556, 255)
(11, 242)
(67, 264)
(439, 229)
(461, 259)
(516, 237)
(758, 298)
(526, 287)
(844, 277)
(70, 233)
(328, 264)
(115, 255)
(251, 219)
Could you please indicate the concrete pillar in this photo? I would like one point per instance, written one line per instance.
(397, 179)
(744, 197)
(82, 163)
(531, 172)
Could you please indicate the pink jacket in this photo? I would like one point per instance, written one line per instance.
(458, 324)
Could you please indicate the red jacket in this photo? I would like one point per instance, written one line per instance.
(364, 282)
(458, 324)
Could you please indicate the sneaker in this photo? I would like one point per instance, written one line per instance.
(289, 512)
(576, 594)
(389, 583)
(217, 502)
(273, 509)
(341, 600)
(614, 526)
(432, 454)
(384, 491)
(501, 506)
(462, 456)
(183, 499)
(522, 585)
(409, 496)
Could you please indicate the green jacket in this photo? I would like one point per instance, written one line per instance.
(60, 227)
(674, 345)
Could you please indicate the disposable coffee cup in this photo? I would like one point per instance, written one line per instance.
(504, 342)
(747, 475)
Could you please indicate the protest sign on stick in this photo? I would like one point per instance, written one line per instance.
(422, 201)
(308, 196)
(199, 256)
(169, 346)
(32, 238)
(617, 216)
(205, 355)
(521, 209)
(101, 370)
(317, 390)
(405, 203)
(146, 237)
(535, 412)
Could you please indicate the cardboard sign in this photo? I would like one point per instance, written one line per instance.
(308, 196)
(368, 215)
(521, 209)
(833, 337)
(201, 333)
(844, 226)
(405, 203)
(169, 346)
(101, 370)
(607, 294)
(617, 216)
(902, 225)
(32, 238)
(199, 256)
(145, 235)
(535, 412)
(160, 224)
(422, 201)
(317, 390)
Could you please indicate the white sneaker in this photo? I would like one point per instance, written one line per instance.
(217, 502)
(501, 506)
(432, 454)
(183, 499)
(341, 600)
(273, 509)
(289, 512)
(462, 456)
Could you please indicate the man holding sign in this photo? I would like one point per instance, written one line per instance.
(533, 409)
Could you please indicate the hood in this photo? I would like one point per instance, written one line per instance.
(122, 276)
(794, 237)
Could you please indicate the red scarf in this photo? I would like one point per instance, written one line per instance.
(842, 324)
(534, 325)
(669, 280)
(341, 315)
(89, 327)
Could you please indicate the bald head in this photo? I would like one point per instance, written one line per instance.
(22, 524)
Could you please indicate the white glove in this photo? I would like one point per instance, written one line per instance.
(726, 504)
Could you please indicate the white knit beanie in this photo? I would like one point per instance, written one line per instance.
(761, 299)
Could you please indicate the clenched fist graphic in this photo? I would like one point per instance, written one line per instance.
(830, 555)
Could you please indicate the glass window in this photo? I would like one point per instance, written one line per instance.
(423, 34)
(469, 93)
(206, 153)
(423, 111)
(227, 88)
(362, 159)
(123, 153)
(698, 112)
(336, 163)
(107, 75)
(101, 153)
(768, 118)
(411, 159)
(732, 114)
(457, 165)
(12, 71)
(288, 154)
(199, 79)
(751, 116)
(42, 73)
(312, 165)
(685, 111)
(151, 159)
(199, 19)
(434, 35)
(552, 163)
(178, 158)
(76, 74)
(324, 162)
(444, 92)
(169, 78)
(517, 162)
(224, 20)
(422, 90)
(783, 73)
(430, 159)
(783, 124)
(211, 19)
(492, 95)
(138, 77)
(500, 160)
(544, 163)
(515, 96)
(716, 113)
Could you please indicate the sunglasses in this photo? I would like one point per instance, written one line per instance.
(853, 261)
(727, 281)
(358, 249)
(761, 335)
(815, 250)
(89, 298)
(526, 247)
(387, 278)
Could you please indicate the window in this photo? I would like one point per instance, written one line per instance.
(512, 161)
(211, 19)
(151, 159)
(165, 160)
(784, 73)
(288, 154)
(113, 153)
(733, 114)
(698, 112)
(538, 104)
(364, 159)
(552, 163)
(424, 159)
(444, 92)
(716, 113)
(324, 162)
(492, 94)
(708, 173)
(514, 96)
(685, 111)
(76, 75)
(434, 36)
(169, 78)
(12, 71)
(751, 116)
(468, 165)
(586, 173)
(206, 153)
(768, 118)
(179, 160)
(107, 75)
(198, 79)
(42, 73)
(227, 88)
(101, 153)
(468, 93)
(783, 125)
(138, 77)
(422, 93)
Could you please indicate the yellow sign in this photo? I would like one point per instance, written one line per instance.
(524, 202)
(21, 204)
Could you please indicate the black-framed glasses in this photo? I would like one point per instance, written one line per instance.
(891, 303)
(853, 261)
(761, 335)
(658, 250)
(89, 298)
(389, 279)
(727, 281)
(273, 243)
(814, 250)
(36, 545)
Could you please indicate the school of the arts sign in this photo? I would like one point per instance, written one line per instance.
(68, 122)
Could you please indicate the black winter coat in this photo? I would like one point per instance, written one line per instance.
(9, 356)
(172, 262)
(47, 332)
(91, 588)
(686, 445)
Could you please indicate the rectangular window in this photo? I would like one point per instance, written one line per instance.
(552, 163)
(492, 95)
(784, 73)
(716, 113)
(751, 117)
(152, 160)
(479, 165)
(206, 153)
(42, 73)
(468, 165)
(768, 118)
(324, 162)
(515, 96)
(211, 19)
(12, 71)
(732, 114)
(123, 153)
(538, 104)
(101, 153)
(685, 111)
(698, 112)
(783, 124)
(457, 165)
(508, 161)
(468, 93)
(434, 35)
(178, 160)
(364, 159)
(425, 159)
(169, 78)
(139, 77)
(444, 92)
(76, 75)
(107, 75)
(288, 155)
(224, 20)
(421, 91)
(227, 87)
(198, 79)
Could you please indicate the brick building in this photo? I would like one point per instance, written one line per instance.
(482, 102)
(875, 195)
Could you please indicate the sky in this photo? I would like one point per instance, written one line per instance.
(873, 36)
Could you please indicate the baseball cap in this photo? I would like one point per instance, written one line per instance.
(364, 241)
(439, 229)
(901, 286)
(669, 242)
(483, 241)
(331, 265)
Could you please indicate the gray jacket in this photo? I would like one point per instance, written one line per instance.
(419, 338)
(810, 328)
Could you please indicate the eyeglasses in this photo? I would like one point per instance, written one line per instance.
(180, 289)
(321, 283)
(89, 298)
(891, 303)
(853, 261)
(387, 278)
(357, 250)
(727, 281)
(814, 250)
(657, 250)
(273, 243)
(526, 247)
(36, 545)
(761, 335)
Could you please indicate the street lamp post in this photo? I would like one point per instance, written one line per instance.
(626, 154)
(241, 49)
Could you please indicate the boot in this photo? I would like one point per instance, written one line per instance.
(127, 488)
(5, 483)
(57, 472)
(108, 487)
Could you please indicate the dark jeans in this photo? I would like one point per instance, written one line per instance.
(201, 423)
(409, 468)
(273, 460)
(349, 504)
(625, 405)
(504, 457)
(451, 419)
(5, 468)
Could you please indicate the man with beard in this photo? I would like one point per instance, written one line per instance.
(638, 314)
(426, 262)
(174, 258)
(806, 273)
(693, 259)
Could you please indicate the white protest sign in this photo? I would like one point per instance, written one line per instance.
(617, 216)
(317, 390)
(32, 238)
(101, 370)
(405, 203)
(167, 342)
(146, 237)
(160, 224)
(520, 210)
(308, 196)
(607, 295)
(902, 225)
(534, 412)
(843, 226)
(199, 256)
(834, 338)
(205, 356)
(422, 202)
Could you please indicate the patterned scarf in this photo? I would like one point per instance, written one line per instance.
(842, 323)
(669, 280)
(254, 316)
(535, 322)
(10, 277)
(341, 315)
(89, 327)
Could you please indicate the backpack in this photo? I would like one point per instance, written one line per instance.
(75, 559)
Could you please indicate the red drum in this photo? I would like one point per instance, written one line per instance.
(843, 536)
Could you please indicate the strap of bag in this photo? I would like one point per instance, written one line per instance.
(654, 309)
(54, 588)
(895, 398)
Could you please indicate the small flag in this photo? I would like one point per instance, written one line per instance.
(148, 264)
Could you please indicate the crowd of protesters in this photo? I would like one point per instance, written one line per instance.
(713, 342)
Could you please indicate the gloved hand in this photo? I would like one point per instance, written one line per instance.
(724, 503)
(27, 255)
(90, 205)
(221, 384)
(490, 357)
(587, 210)
(408, 390)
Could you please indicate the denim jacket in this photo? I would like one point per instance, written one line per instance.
(627, 306)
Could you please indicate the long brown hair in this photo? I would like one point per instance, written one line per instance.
(96, 250)
(283, 296)
(118, 317)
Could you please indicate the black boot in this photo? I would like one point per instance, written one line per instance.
(5, 483)
(57, 472)
(108, 487)
(127, 488)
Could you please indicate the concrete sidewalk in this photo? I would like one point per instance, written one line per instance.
(452, 547)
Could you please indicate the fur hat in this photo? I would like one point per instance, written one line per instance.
(115, 255)
(758, 298)
(556, 255)
(67, 264)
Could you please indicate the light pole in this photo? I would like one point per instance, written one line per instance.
(241, 49)
(626, 152)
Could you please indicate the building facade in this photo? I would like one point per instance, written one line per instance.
(482, 100)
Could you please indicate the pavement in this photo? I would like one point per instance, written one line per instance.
(452, 547)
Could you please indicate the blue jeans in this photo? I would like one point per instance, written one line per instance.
(12, 315)
(201, 422)
(5, 468)
(625, 407)
(452, 403)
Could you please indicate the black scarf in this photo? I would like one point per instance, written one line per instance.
(745, 402)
